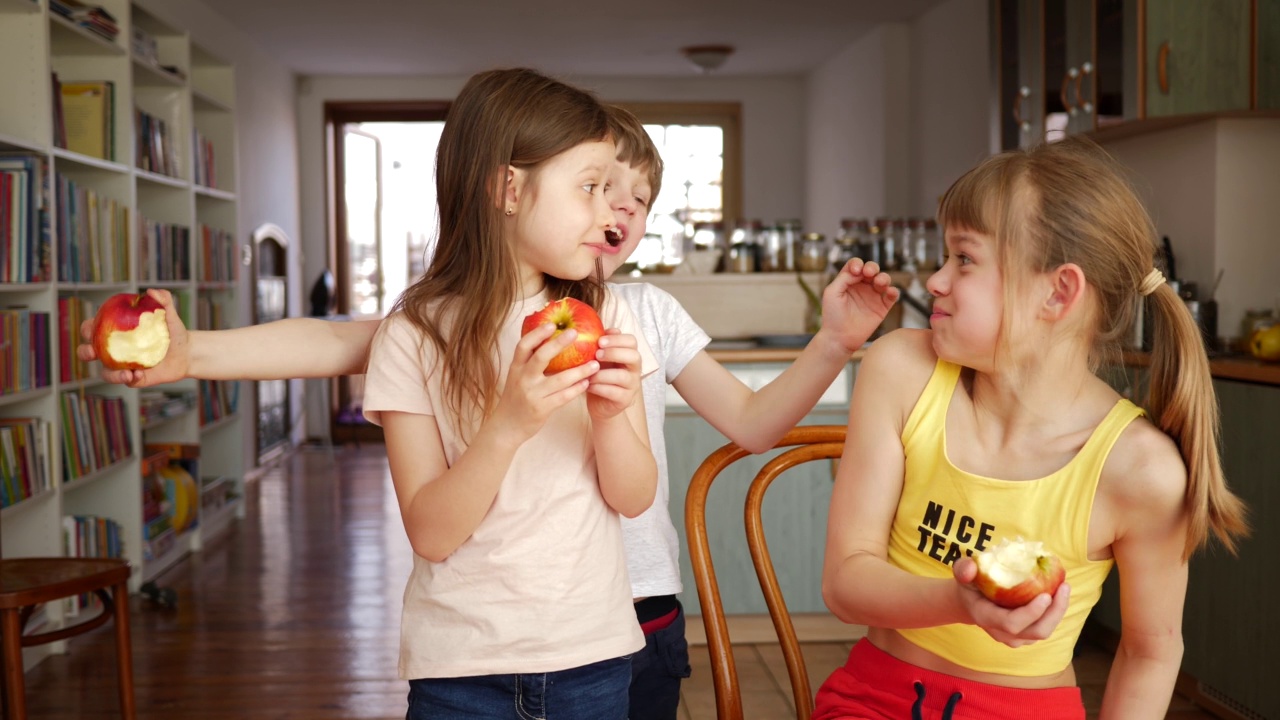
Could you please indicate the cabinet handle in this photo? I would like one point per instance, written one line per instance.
(1084, 105)
(1072, 74)
(1162, 67)
(1023, 92)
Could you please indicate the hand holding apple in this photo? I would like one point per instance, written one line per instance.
(568, 314)
(1014, 572)
(130, 332)
(615, 387)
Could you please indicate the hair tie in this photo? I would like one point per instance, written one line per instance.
(1153, 280)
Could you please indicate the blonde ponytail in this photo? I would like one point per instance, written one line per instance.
(1183, 404)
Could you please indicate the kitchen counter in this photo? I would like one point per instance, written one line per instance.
(1224, 367)
(1233, 366)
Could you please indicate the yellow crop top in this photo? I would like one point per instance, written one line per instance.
(945, 512)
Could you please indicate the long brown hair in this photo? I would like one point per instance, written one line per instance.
(1070, 202)
(510, 117)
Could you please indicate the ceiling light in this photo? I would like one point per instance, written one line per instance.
(707, 57)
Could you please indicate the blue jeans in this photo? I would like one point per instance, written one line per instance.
(592, 692)
(656, 672)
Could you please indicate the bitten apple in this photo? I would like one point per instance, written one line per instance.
(569, 314)
(129, 332)
(1013, 572)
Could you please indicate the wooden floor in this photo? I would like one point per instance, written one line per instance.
(294, 615)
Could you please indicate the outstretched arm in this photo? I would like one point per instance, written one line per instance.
(853, 306)
(284, 349)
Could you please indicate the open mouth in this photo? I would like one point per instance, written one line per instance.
(613, 236)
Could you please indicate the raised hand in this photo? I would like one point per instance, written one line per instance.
(856, 301)
(529, 395)
(176, 361)
(611, 390)
(1030, 623)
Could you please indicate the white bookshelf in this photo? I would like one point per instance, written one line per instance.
(196, 94)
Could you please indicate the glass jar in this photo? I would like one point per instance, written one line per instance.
(888, 244)
(872, 243)
(812, 254)
(847, 243)
(777, 254)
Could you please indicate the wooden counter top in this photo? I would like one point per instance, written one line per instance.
(764, 354)
(1226, 367)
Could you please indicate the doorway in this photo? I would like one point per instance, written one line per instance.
(383, 224)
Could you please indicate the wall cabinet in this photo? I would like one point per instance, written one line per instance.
(1072, 66)
(140, 194)
(795, 508)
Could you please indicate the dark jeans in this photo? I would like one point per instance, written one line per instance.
(591, 692)
(656, 671)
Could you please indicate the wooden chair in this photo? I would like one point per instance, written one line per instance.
(814, 442)
(25, 583)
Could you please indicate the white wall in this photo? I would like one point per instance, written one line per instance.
(266, 132)
(772, 135)
(1247, 223)
(898, 115)
(950, 93)
(1175, 174)
(1212, 187)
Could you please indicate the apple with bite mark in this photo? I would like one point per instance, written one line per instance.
(569, 314)
(129, 332)
(1012, 573)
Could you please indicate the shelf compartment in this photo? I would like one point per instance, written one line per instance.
(147, 75)
(19, 6)
(95, 475)
(62, 155)
(158, 179)
(207, 103)
(67, 38)
(8, 513)
(13, 398)
(218, 424)
(215, 193)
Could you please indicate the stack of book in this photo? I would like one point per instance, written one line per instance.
(90, 17)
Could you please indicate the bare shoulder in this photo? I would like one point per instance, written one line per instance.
(901, 356)
(894, 372)
(1145, 471)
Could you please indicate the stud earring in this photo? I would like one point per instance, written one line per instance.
(511, 211)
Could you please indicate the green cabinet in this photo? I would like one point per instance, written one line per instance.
(1268, 62)
(795, 509)
(1230, 627)
(1069, 66)
(1197, 56)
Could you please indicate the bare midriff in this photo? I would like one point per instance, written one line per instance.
(905, 650)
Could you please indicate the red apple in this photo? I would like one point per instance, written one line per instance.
(569, 314)
(129, 332)
(1012, 573)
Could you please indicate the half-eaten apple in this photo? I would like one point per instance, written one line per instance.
(568, 314)
(1013, 572)
(129, 332)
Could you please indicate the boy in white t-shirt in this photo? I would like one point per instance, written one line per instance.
(853, 305)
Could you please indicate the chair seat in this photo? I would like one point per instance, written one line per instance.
(30, 581)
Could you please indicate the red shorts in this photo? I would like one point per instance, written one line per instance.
(875, 685)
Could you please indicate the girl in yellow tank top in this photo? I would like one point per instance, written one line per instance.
(994, 424)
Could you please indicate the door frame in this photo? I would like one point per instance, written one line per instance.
(336, 115)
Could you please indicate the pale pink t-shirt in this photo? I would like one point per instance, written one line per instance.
(541, 585)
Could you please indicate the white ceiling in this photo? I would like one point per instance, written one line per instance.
(566, 37)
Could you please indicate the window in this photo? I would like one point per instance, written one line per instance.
(700, 145)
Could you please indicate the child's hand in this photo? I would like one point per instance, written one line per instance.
(176, 361)
(1030, 623)
(856, 301)
(614, 388)
(530, 396)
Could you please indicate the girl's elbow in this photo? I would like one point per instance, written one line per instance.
(431, 550)
(831, 598)
(752, 443)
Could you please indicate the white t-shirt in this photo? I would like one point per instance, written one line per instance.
(541, 585)
(653, 548)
